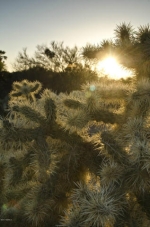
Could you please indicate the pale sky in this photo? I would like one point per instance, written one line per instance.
(28, 23)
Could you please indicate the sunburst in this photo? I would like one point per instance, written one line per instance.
(110, 67)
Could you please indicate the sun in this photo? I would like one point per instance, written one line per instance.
(109, 66)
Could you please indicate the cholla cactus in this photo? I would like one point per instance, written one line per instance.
(25, 89)
(77, 160)
(130, 46)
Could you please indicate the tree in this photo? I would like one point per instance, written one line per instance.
(54, 58)
(3, 57)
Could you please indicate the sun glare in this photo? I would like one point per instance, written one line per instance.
(109, 66)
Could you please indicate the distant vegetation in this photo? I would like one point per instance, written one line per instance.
(64, 69)
(3, 57)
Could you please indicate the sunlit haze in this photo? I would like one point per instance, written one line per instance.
(110, 67)
(26, 24)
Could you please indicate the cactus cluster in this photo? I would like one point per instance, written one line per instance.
(76, 160)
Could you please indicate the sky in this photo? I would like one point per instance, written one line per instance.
(28, 23)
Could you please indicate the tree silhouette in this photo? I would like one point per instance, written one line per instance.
(3, 57)
(55, 58)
